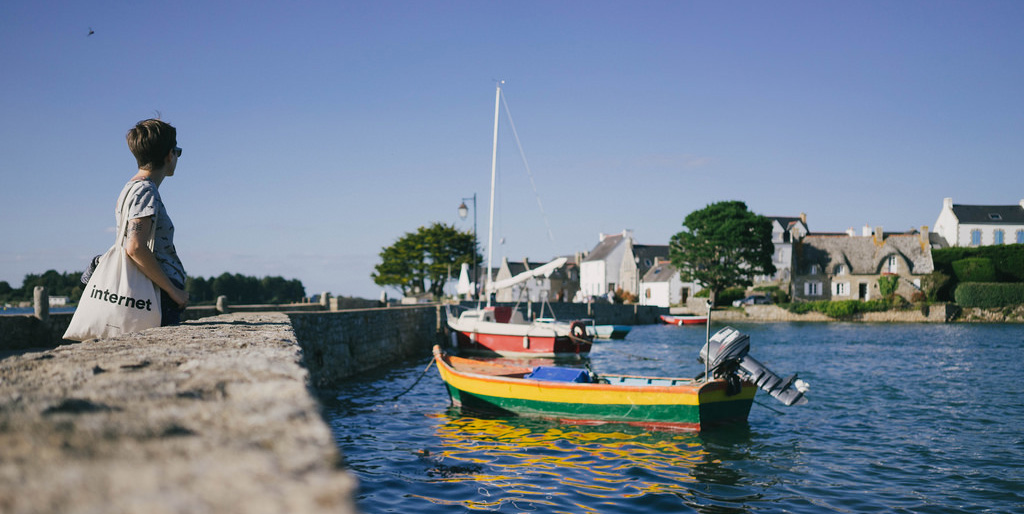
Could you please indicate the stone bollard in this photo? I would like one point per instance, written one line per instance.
(41, 302)
(222, 304)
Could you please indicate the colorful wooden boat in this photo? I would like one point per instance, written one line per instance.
(684, 320)
(573, 395)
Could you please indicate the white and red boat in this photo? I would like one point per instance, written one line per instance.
(684, 320)
(503, 331)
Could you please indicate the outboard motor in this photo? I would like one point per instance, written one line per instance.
(729, 348)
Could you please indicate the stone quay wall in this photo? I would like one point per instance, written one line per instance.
(215, 415)
(342, 344)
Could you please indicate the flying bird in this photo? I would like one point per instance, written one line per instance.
(91, 32)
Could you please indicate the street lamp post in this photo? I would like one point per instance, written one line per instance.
(463, 211)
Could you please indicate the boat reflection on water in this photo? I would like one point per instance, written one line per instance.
(540, 462)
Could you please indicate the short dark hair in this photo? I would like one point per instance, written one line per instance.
(150, 141)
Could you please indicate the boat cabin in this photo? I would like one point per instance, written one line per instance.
(496, 314)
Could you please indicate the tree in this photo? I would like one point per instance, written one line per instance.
(725, 245)
(424, 257)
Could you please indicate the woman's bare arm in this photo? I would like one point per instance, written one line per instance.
(137, 248)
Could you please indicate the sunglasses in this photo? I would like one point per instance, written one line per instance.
(177, 151)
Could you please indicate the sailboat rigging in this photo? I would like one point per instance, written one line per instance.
(503, 330)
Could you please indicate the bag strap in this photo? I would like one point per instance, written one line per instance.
(122, 210)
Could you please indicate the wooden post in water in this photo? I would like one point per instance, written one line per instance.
(41, 302)
(707, 342)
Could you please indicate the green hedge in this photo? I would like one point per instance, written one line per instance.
(1008, 260)
(974, 269)
(989, 295)
(840, 308)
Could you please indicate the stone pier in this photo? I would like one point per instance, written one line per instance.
(214, 416)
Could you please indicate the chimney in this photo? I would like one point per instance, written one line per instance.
(803, 217)
(1022, 204)
(947, 203)
(851, 232)
(924, 237)
(866, 231)
(879, 237)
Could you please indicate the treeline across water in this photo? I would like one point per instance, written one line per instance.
(243, 290)
(239, 289)
(56, 284)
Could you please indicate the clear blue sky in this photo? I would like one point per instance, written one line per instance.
(317, 133)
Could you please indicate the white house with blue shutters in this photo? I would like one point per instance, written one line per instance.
(980, 225)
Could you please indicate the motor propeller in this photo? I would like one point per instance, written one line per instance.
(729, 355)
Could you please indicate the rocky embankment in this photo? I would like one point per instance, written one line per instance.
(214, 416)
(937, 313)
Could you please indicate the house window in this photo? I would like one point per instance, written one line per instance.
(893, 264)
(998, 237)
(840, 289)
(995, 216)
(975, 237)
(1020, 237)
(812, 269)
(812, 288)
(840, 269)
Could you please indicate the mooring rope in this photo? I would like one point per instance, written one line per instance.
(423, 374)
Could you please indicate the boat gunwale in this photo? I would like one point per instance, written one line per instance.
(694, 388)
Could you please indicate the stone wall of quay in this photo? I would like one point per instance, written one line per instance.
(215, 415)
(338, 345)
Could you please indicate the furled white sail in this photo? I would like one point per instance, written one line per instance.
(545, 270)
(464, 286)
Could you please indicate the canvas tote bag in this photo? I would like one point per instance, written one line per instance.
(118, 298)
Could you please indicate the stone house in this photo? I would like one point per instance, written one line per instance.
(637, 260)
(847, 267)
(599, 270)
(979, 225)
(661, 286)
(785, 231)
(560, 286)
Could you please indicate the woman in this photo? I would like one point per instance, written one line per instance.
(154, 144)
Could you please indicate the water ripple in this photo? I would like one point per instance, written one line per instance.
(903, 418)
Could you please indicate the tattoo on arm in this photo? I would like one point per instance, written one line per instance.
(135, 226)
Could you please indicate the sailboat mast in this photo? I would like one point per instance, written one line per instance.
(494, 165)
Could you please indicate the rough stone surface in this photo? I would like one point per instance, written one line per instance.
(938, 313)
(214, 416)
(1013, 314)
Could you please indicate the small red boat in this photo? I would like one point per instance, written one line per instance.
(684, 320)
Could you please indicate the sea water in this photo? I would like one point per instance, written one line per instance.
(902, 418)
